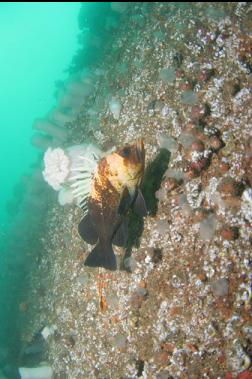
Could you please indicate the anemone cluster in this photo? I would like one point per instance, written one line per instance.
(70, 172)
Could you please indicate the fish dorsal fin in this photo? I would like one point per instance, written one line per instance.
(140, 205)
(81, 178)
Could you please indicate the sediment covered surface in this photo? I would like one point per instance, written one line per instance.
(179, 306)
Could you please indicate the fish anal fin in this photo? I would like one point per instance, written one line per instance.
(121, 235)
(140, 205)
(102, 256)
(87, 230)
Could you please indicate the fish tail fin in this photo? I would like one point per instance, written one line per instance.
(102, 256)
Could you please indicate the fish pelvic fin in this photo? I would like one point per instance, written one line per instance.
(140, 205)
(102, 256)
(121, 235)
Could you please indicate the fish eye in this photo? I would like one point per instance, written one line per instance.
(125, 152)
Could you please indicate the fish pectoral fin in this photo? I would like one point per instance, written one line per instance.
(87, 230)
(125, 201)
(102, 256)
(121, 235)
(139, 205)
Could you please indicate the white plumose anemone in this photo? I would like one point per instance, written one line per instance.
(57, 166)
(70, 172)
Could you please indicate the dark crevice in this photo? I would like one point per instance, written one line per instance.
(140, 367)
(151, 183)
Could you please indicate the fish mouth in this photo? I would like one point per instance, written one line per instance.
(137, 176)
(140, 150)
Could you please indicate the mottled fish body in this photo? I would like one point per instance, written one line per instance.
(115, 188)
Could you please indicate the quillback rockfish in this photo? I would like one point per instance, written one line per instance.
(114, 189)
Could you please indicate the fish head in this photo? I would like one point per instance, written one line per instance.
(133, 155)
(128, 164)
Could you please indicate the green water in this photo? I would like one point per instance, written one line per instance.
(38, 41)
